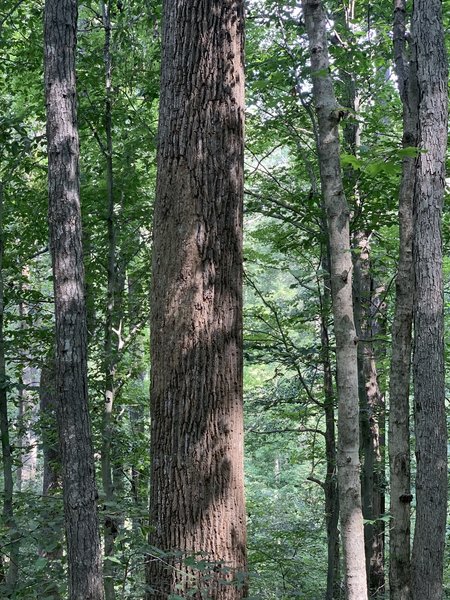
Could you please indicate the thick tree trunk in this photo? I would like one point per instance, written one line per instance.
(78, 473)
(430, 63)
(197, 499)
(400, 370)
(341, 282)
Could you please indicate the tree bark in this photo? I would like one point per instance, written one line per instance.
(341, 285)
(197, 499)
(331, 484)
(430, 64)
(26, 443)
(78, 472)
(400, 369)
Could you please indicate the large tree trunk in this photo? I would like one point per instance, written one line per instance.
(197, 499)
(400, 370)
(78, 473)
(341, 281)
(429, 58)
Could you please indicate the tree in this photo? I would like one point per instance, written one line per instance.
(197, 501)
(341, 288)
(12, 573)
(78, 472)
(431, 77)
(400, 369)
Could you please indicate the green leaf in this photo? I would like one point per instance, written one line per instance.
(113, 559)
(350, 159)
(40, 563)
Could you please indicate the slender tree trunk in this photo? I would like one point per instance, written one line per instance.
(331, 485)
(50, 447)
(197, 499)
(27, 442)
(371, 418)
(78, 472)
(51, 535)
(341, 281)
(12, 573)
(110, 523)
(400, 370)
(370, 398)
(430, 63)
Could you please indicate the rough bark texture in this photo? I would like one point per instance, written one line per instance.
(400, 371)
(430, 62)
(82, 532)
(341, 282)
(197, 499)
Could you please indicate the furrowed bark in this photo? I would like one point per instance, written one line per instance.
(430, 64)
(197, 500)
(78, 472)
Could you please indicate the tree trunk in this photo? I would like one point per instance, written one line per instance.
(26, 442)
(12, 553)
(370, 397)
(197, 499)
(78, 472)
(400, 370)
(371, 418)
(51, 534)
(429, 58)
(331, 485)
(341, 283)
(110, 355)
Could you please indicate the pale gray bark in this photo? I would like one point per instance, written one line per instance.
(341, 281)
(430, 64)
(78, 472)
